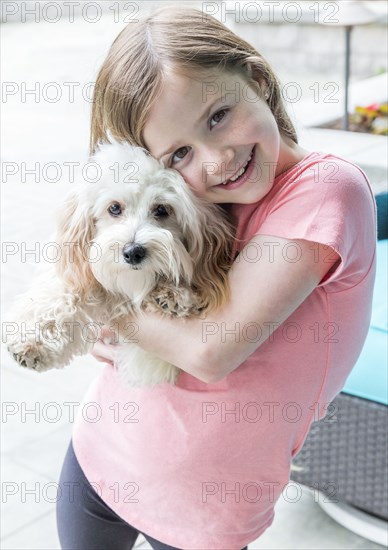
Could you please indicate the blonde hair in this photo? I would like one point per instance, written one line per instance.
(182, 40)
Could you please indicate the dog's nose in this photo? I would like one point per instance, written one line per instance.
(134, 253)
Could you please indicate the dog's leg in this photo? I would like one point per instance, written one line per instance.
(136, 366)
(48, 326)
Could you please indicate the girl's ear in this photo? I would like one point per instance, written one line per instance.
(75, 232)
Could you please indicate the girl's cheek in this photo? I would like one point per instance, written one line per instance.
(198, 188)
(194, 182)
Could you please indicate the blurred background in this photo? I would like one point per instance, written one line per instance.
(327, 55)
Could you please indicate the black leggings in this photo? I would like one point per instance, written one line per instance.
(85, 522)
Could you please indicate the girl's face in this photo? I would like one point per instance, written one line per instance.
(213, 129)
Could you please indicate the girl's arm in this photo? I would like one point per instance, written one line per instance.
(263, 294)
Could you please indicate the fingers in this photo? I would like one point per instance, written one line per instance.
(103, 352)
(107, 335)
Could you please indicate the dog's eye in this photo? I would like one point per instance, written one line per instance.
(161, 211)
(114, 209)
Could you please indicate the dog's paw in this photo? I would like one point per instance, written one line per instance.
(30, 356)
(172, 301)
(33, 352)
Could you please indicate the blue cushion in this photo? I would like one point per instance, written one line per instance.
(369, 378)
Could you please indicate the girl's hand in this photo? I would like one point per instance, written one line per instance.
(103, 349)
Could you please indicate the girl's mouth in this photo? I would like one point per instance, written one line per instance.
(243, 177)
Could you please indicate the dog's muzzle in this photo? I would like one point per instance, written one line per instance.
(134, 254)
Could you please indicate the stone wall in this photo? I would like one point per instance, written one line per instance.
(318, 48)
(286, 33)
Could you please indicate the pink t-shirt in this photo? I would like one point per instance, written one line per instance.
(201, 466)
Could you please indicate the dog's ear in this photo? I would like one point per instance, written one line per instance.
(210, 246)
(208, 239)
(75, 231)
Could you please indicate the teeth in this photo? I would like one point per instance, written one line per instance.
(240, 172)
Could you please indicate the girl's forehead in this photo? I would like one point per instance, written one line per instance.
(201, 77)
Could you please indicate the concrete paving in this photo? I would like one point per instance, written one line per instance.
(36, 420)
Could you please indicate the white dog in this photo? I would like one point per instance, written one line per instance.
(138, 239)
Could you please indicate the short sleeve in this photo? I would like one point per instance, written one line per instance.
(331, 203)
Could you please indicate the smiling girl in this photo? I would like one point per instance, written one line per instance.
(201, 464)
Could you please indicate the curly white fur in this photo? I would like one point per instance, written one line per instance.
(138, 239)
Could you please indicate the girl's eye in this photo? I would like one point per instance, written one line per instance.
(115, 209)
(177, 156)
(182, 152)
(218, 116)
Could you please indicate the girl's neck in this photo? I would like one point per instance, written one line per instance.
(290, 153)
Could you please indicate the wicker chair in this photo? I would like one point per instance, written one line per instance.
(347, 461)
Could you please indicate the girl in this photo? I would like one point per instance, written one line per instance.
(201, 464)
